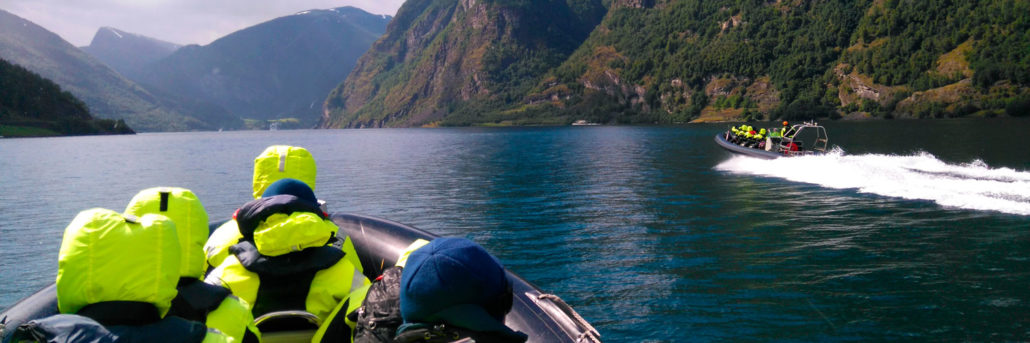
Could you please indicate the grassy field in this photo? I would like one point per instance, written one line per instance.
(9, 131)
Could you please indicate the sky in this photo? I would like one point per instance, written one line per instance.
(176, 21)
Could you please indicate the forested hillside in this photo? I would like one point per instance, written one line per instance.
(440, 57)
(661, 61)
(33, 106)
(108, 94)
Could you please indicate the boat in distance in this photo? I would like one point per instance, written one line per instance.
(805, 139)
(378, 242)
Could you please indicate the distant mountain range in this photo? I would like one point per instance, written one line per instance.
(283, 68)
(104, 91)
(128, 53)
(490, 62)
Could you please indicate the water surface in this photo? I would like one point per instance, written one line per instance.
(919, 230)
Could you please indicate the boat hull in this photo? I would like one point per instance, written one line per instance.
(737, 149)
(544, 317)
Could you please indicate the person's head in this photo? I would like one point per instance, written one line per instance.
(106, 256)
(182, 207)
(456, 282)
(283, 161)
(289, 186)
(285, 219)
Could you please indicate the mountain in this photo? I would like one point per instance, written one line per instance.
(105, 92)
(282, 68)
(468, 62)
(438, 53)
(127, 53)
(33, 106)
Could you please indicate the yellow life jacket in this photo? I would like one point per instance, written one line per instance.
(228, 234)
(289, 245)
(217, 246)
(233, 318)
(106, 256)
(182, 207)
(227, 314)
(283, 161)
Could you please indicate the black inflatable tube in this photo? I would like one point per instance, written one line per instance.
(721, 139)
(544, 317)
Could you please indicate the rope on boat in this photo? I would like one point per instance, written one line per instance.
(588, 335)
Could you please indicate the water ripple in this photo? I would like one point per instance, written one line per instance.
(650, 236)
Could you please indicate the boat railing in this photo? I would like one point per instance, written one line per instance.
(798, 137)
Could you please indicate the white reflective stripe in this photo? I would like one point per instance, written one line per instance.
(282, 158)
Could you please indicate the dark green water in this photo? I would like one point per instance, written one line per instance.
(918, 232)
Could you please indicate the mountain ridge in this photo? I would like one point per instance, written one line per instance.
(665, 61)
(107, 94)
(281, 68)
(127, 53)
(424, 71)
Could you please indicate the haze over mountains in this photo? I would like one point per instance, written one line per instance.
(282, 68)
(107, 94)
(128, 53)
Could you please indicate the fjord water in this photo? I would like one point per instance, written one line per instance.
(920, 230)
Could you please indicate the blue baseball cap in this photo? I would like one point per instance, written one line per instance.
(292, 187)
(457, 282)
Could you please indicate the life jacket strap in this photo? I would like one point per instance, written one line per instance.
(134, 313)
(197, 299)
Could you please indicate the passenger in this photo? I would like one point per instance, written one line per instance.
(275, 163)
(449, 289)
(381, 316)
(116, 278)
(789, 132)
(749, 136)
(285, 259)
(197, 301)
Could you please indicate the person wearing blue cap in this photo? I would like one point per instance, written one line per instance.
(449, 289)
(286, 259)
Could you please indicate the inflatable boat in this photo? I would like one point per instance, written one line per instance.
(544, 317)
(799, 140)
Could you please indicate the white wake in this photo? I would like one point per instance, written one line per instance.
(922, 176)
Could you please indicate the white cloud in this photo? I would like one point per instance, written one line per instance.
(178, 21)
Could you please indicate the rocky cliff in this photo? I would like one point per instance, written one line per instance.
(668, 61)
(440, 54)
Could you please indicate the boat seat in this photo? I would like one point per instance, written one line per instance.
(287, 326)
